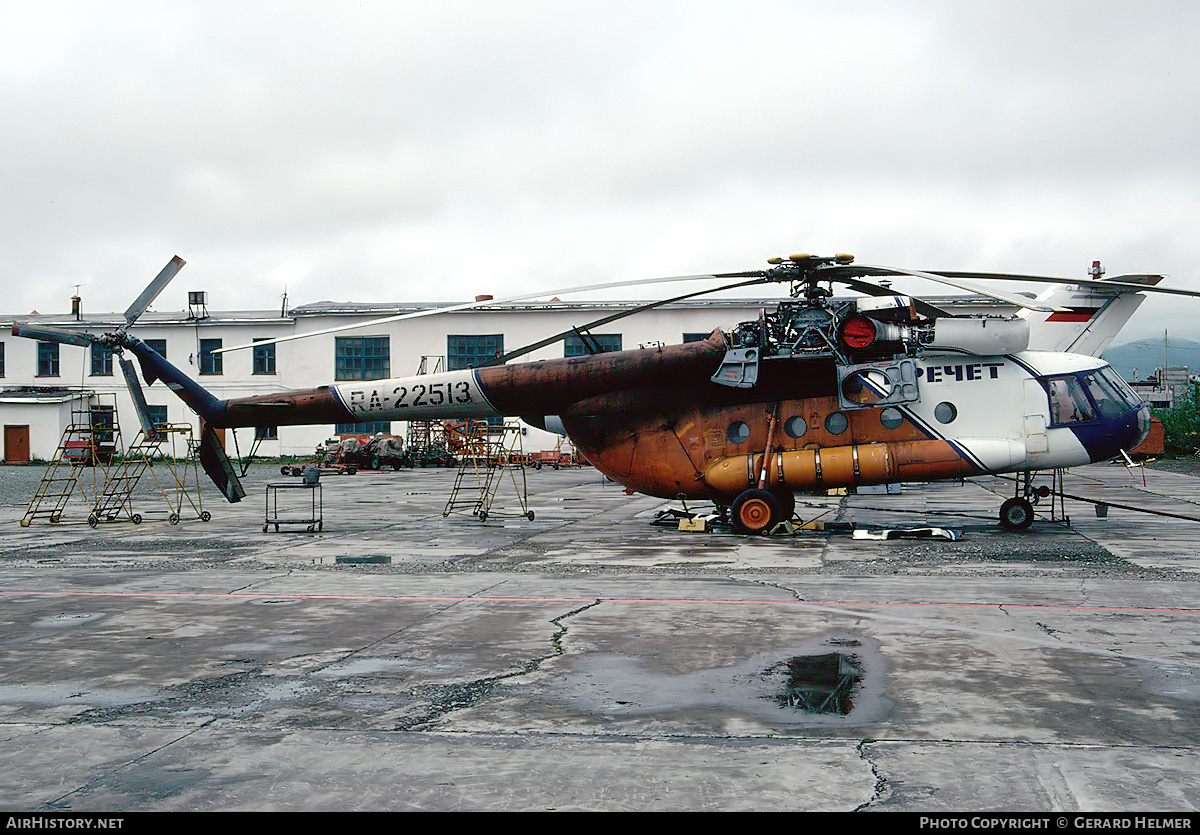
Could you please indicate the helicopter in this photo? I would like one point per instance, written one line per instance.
(818, 393)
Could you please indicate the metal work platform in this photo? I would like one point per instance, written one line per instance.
(87, 449)
(91, 460)
(488, 456)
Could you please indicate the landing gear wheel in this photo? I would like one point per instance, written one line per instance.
(205, 516)
(529, 515)
(136, 518)
(756, 511)
(173, 518)
(92, 520)
(1016, 514)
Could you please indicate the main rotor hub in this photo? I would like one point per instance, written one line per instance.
(804, 271)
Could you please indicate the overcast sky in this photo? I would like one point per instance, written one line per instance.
(429, 151)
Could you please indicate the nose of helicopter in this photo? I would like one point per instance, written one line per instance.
(1120, 433)
(1143, 426)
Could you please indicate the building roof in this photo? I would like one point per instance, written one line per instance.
(111, 321)
(41, 394)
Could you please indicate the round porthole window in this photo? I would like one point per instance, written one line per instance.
(945, 412)
(738, 432)
(836, 423)
(891, 418)
(795, 426)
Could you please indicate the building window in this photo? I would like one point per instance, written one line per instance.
(104, 422)
(266, 433)
(1, 359)
(362, 358)
(591, 343)
(102, 358)
(157, 415)
(47, 359)
(367, 428)
(465, 351)
(264, 358)
(695, 337)
(159, 346)
(211, 363)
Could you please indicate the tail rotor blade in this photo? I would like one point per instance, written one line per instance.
(139, 397)
(153, 289)
(52, 335)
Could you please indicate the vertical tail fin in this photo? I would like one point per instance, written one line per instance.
(1092, 317)
(218, 466)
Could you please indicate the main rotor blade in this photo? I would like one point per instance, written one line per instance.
(52, 335)
(153, 289)
(490, 302)
(139, 397)
(926, 309)
(520, 352)
(1132, 284)
(961, 285)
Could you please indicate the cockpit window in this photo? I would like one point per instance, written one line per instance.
(1106, 396)
(1068, 403)
(1127, 395)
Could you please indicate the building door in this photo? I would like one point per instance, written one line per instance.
(16, 444)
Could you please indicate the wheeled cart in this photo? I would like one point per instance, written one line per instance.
(316, 501)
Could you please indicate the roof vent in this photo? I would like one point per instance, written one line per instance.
(197, 304)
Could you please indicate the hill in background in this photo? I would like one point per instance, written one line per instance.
(1147, 354)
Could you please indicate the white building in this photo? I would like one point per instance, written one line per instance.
(39, 378)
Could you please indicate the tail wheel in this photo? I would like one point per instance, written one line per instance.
(1016, 514)
(756, 511)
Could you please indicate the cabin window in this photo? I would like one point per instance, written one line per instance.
(891, 418)
(362, 358)
(1068, 403)
(945, 412)
(47, 359)
(590, 343)
(795, 426)
(158, 346)
(210, 361)
(836, 423)
(471, 351)
(738, 432)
